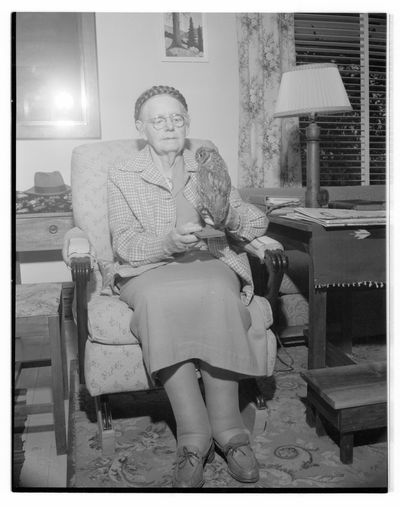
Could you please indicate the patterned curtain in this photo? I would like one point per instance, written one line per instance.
(269, 149)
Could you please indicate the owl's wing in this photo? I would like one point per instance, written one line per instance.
(215, 187)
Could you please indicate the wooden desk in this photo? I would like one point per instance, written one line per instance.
(35, 232)
(336, 259)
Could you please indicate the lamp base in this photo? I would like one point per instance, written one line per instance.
(315, 196)
(316, 199)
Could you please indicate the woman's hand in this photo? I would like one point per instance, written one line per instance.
(181, 238)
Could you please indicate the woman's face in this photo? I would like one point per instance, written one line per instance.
(170, 137)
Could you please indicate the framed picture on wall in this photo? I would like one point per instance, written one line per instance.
(56, 76)
(184, 37)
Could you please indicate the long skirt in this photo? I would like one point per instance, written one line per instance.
(190, 309)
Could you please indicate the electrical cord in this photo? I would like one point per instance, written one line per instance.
(289, 364)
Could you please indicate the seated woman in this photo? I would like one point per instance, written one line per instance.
(193, 300)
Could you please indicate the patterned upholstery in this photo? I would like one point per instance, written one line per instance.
(109, 321)
(110, 369)
(293, 310)
(37, 299)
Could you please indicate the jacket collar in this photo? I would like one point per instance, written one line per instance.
(149, 171)
(143, 159)
(143, 163)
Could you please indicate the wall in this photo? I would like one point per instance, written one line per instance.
(129, 61)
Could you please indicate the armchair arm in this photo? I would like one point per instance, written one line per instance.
(78, 255)
(81, 269)
(276, 263)
(75, 232)
(81, 266)
(268, 263)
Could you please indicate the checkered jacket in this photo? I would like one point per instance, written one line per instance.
(142, 211)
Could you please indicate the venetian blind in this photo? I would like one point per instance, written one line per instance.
(353, 144)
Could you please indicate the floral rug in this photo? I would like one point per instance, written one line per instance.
(290, 454)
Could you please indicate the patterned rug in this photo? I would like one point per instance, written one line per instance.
(290, 454)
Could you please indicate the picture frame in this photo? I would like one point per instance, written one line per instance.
(184, 37)
(56, 77)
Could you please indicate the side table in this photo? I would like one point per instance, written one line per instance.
(39, 312)
(337, 259)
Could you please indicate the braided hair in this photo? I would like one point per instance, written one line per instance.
(158, 90)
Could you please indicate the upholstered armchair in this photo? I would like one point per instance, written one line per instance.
(110, 358)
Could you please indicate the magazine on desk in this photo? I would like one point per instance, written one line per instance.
(275, 205)
(339, 217)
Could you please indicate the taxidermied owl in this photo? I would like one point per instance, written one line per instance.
(214, 184)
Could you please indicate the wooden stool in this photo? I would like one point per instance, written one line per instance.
(352, 398)
(39, 312)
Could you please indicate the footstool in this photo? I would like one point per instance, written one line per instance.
(351, 398)
(39, 312)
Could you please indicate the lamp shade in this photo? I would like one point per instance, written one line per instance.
(308, 89)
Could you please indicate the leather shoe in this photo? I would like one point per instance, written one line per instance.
(189, 466)
(242, 463)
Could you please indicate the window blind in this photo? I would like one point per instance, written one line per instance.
(353, 144)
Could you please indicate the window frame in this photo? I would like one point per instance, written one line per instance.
(345, 39)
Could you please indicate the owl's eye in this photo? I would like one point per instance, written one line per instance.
(205, 156)
(200, 155)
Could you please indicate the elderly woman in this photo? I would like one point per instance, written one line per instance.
(193, 300)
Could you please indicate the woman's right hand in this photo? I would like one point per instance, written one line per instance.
(181, 238)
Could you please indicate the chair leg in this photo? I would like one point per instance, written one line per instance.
(310, 411)
(254, 419)
(346, 448)
(319, 425)
(63, 349)
(250, 389)
(310, 415)
(57, 382)
(104, 422)
(253, 407)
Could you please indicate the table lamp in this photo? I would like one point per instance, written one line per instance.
(305, 91)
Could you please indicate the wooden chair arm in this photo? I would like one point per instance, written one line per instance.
(268, 273)
(267, 269)
(81, 269)
(276, 263)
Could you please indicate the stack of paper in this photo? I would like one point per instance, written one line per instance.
(339, 217)
(286, 201)
(364, 204)
(277, 203)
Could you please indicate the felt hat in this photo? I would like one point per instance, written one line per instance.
(50, 183)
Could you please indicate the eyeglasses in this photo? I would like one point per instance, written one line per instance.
(159, 122)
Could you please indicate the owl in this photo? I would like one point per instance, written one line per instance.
(214, 184)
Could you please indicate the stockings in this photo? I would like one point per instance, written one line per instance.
(195, 422)
(182, 388)
(222, 397)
